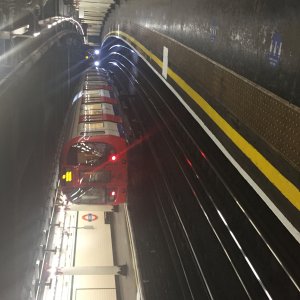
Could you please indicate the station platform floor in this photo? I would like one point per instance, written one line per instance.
(123, 250)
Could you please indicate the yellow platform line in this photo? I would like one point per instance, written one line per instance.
(287, 188)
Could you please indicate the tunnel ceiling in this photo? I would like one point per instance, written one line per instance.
(92, 13)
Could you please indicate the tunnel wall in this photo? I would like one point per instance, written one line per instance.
(256, 39)
(257, 116)
(33, 108)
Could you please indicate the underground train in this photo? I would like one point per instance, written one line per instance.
(93, 164)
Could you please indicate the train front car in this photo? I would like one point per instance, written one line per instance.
(94, 157)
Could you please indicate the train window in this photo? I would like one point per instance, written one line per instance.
(101, 176)
(104, 93)
(91, 112)
(99, 99)
(90, 154)
(95, 77)
(95, 82)
(99, 92)
(96, 109)
(91, 109)
(91, 106)
(90, 195)
(91, 127)
(92, 133)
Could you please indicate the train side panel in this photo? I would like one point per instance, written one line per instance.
(94, 157)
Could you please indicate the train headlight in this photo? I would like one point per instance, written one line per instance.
(96, 63)
(112, 196)
(113, 158)
(96, 52)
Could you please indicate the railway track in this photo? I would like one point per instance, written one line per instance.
(224, 241)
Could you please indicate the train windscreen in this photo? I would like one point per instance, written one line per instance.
(90, 154)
